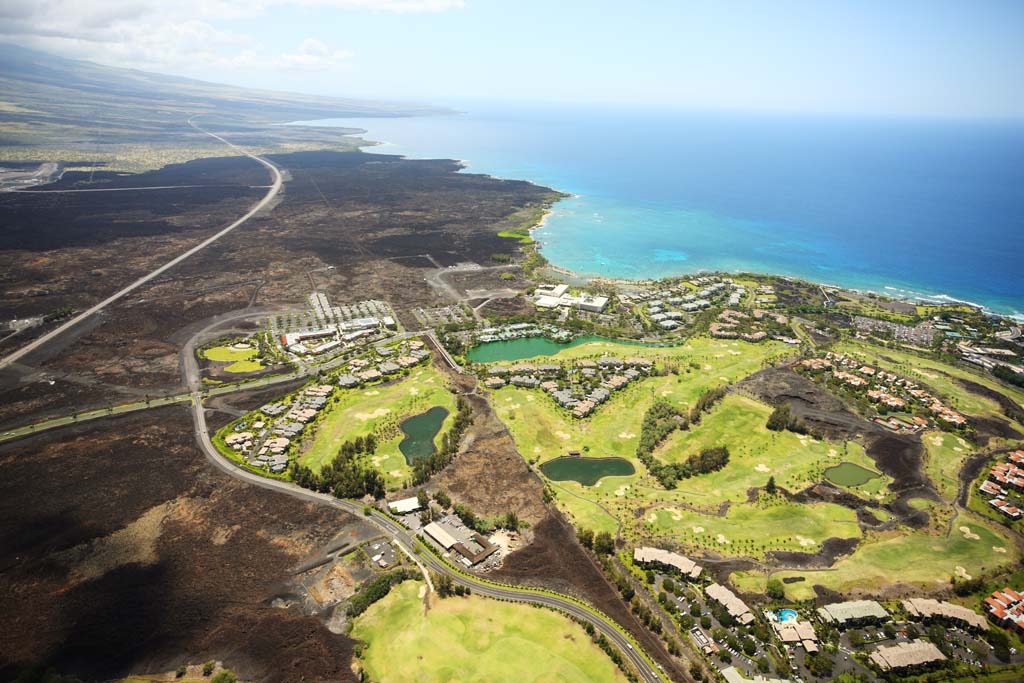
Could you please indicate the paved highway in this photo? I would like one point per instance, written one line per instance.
(275, 188)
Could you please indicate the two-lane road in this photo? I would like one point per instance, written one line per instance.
(275, 188)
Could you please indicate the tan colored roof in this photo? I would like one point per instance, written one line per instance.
(906, 654)
(926, 607)
(667, 558)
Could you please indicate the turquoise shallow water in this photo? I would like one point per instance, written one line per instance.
(904, 207)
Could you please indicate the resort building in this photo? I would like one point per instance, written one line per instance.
(736, 608)
(903, 655)
(687, 567)
(1006, 608)
(927, 609)
(853, 613)
(404, 506)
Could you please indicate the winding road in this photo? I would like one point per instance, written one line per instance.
(272, 193)
(412, 547)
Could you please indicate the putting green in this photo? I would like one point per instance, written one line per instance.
(224, 354)
(475, 639)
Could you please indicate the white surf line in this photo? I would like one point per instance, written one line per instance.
(275, 188)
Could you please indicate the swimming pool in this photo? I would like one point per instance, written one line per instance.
(787, 615)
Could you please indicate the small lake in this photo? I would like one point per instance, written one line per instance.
(849, 474)
(420, 431)
(586, 471)
(531, 347)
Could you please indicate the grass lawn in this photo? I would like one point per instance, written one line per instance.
(903, 556)
(224, 354)
(379, 410)
(752, 529)
(244, 366)
(755, 453)
(475, 639)
(944, 455)
(543, 431)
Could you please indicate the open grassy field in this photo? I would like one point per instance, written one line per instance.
(926, 559)
(544, 431)
(378, 410)
(938, 375)
(242, 360)
(751, 529)
(475, 639)
(944, 455)
(755, 453)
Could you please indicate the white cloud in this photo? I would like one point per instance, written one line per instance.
(179, 36)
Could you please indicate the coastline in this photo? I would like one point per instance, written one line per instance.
(902, 294)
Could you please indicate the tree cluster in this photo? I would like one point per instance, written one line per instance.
(660, 420)
(425, 468)
(346, 476)
(782, 418)
(376, 589)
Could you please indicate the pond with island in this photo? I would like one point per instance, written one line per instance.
(850, 474)
(419, 431)
(586, 471)
(532, 347)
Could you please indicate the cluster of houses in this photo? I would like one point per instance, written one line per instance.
(733, 324)
(1006, 608)
(264, 443)
(1002, 478)
(668, 309)
(887, 389)
(794, 632)
(922, 334)
(391, 361)
(522, 331)
(558, 296)
(580, 388)
(736, 608)
(989, 358)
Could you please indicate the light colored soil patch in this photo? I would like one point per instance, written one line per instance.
(380, 412)
(134, 544)
(563, 436)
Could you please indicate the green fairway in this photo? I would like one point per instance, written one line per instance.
(751, 529)
(755, 453)
(543, 431)
(945, 453)
(378, 410)
(974, 547)
(475, 639)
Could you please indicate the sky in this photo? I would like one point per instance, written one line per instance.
(962, 58)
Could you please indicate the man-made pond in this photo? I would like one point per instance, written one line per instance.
(586, 471)
(849, 474)
(420, 431)
(527, 347)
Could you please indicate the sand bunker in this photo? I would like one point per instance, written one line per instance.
(529, 397)
(625, 435)
(935, 440)
(804, 541)
(734, 353)
(371, 393)
(621, 491)
(833, 453)
(414, 391)
(698, 529)
(719, 355)
(380, 412)
(709, 367)
(998, 549)
(722, 539)
(968, 534)
(761, 467)
(563, 436)
(961, 573)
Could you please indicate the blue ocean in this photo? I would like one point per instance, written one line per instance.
(906, 207)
